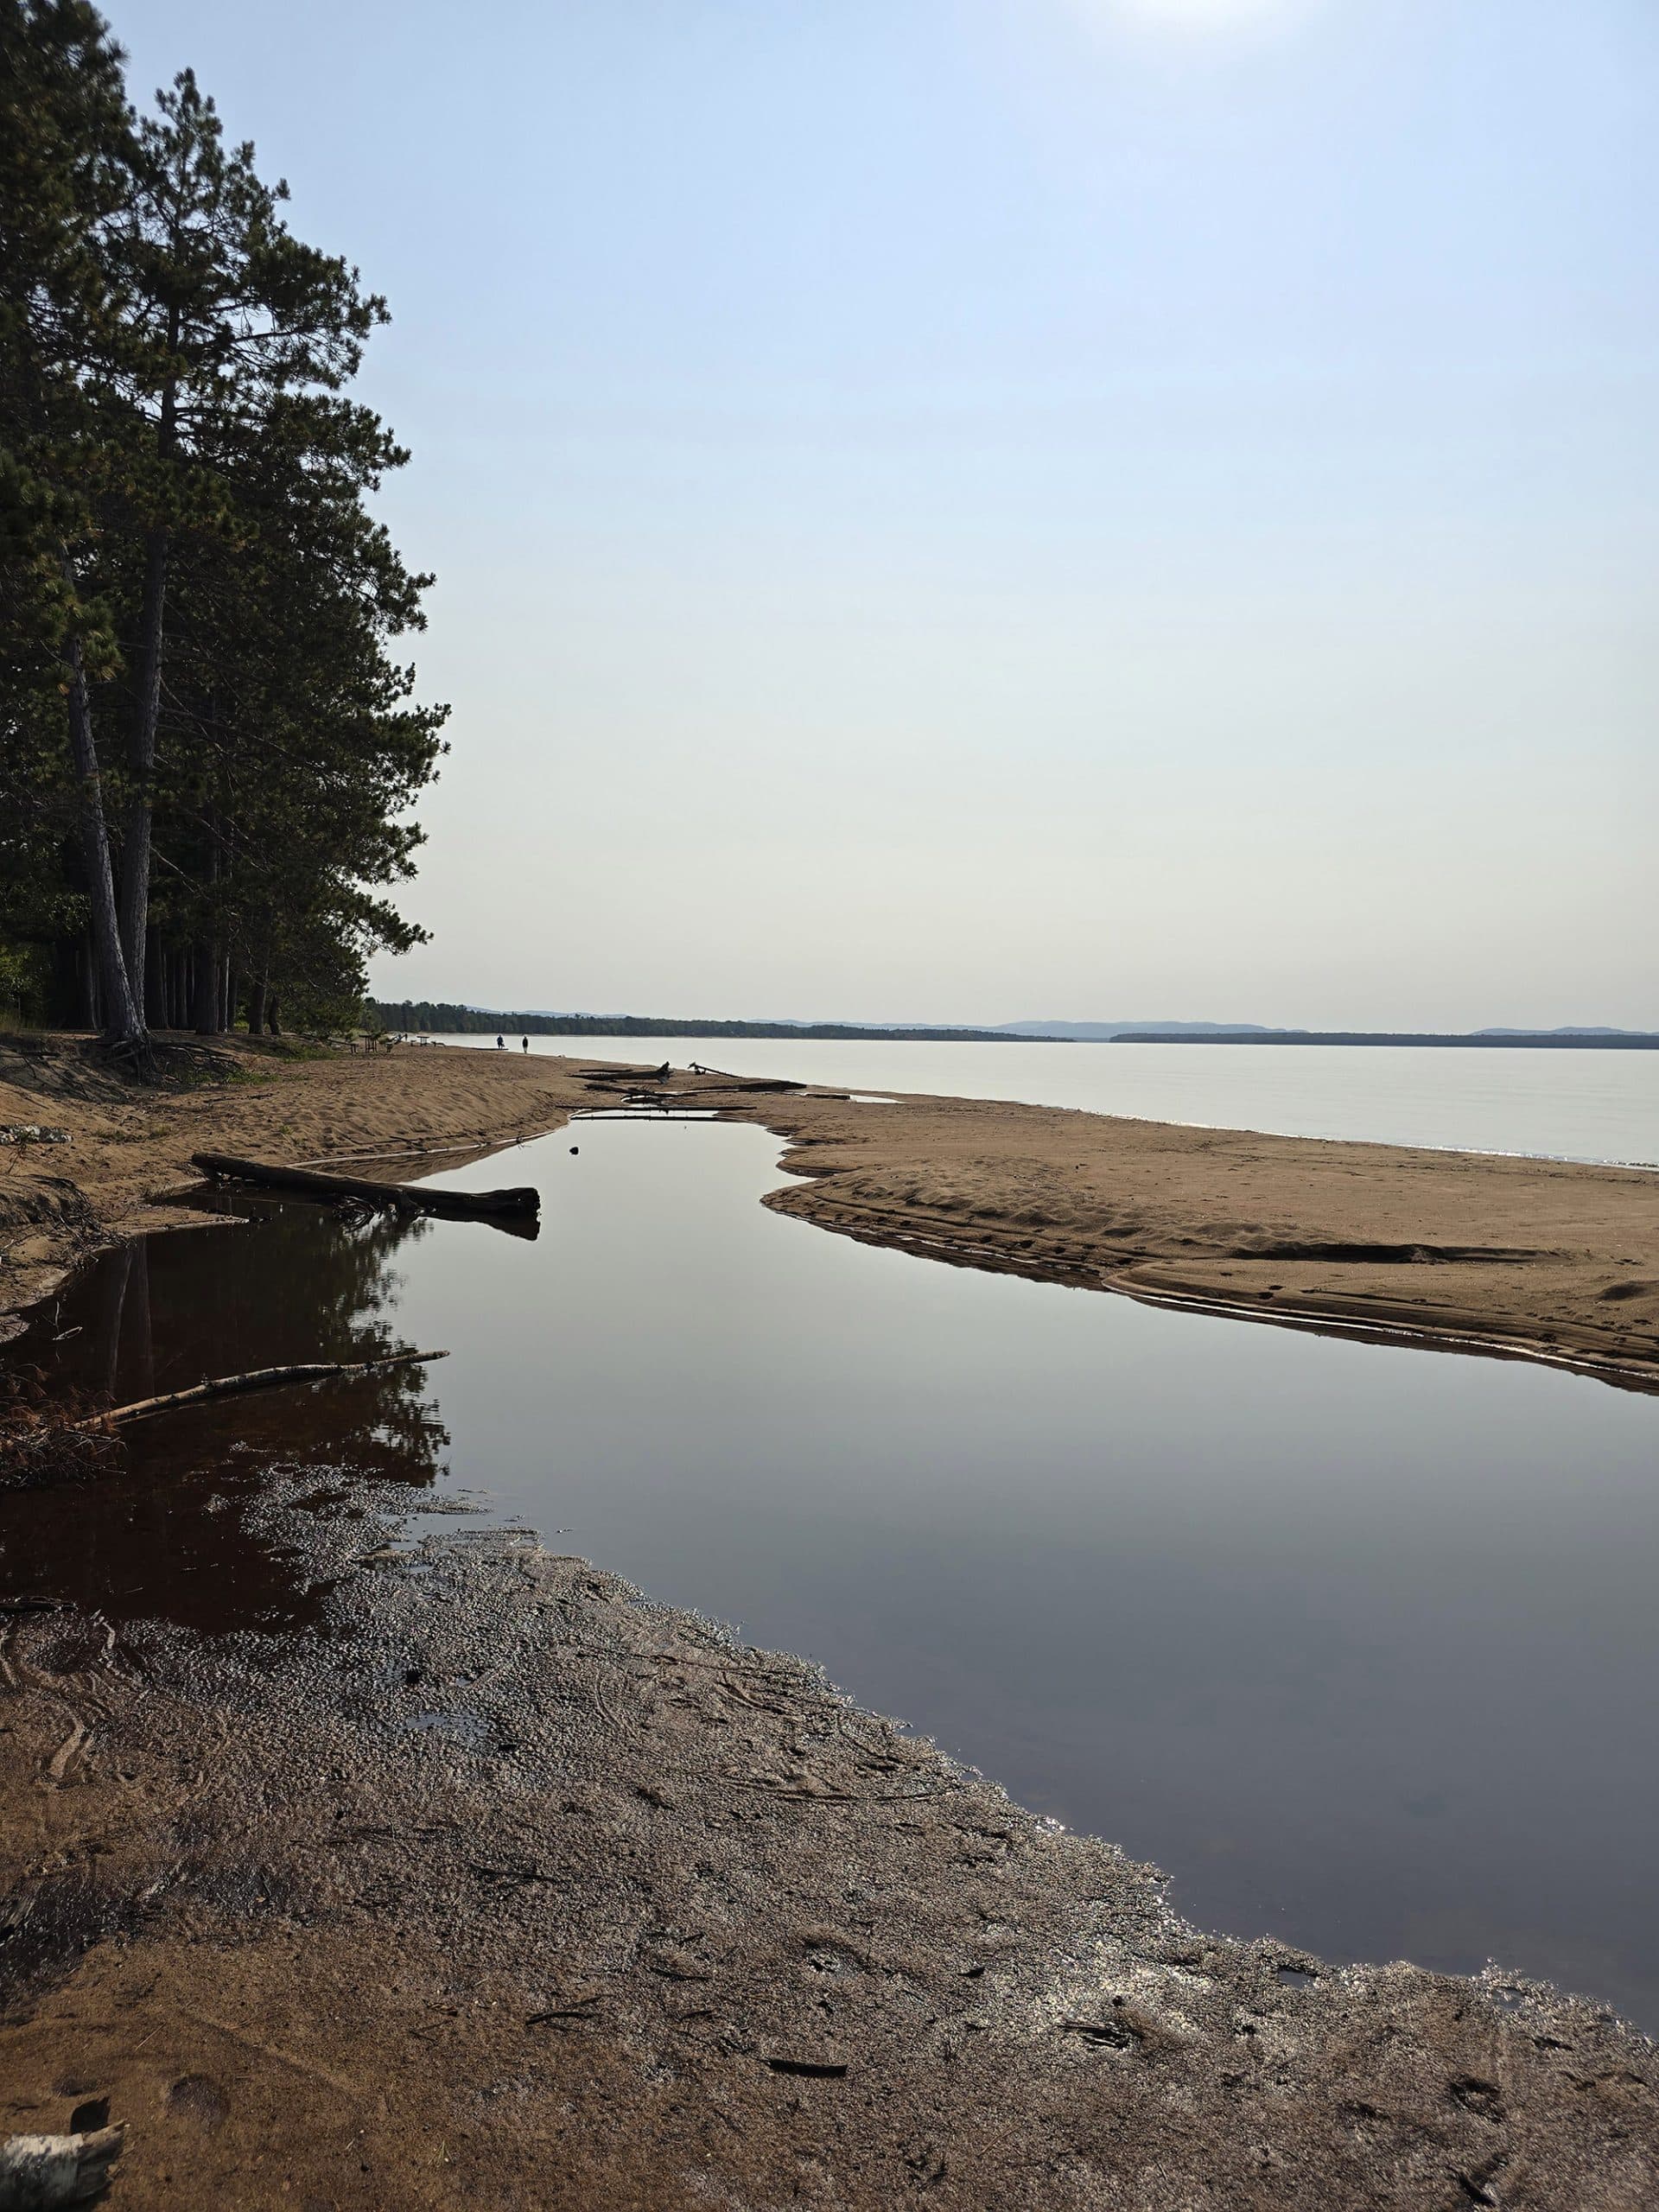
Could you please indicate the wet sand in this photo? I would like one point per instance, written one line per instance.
(502, 1885)
(509, 1888)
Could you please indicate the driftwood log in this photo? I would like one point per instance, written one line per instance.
(39, 2173)
(256, 1378)
(392, 1198)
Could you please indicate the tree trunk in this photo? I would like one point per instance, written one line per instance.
(122, 1019)
(155, 984)
(273, 1027)
(141, 760)
(205, 1011)
(257, 1006)
(140, 745)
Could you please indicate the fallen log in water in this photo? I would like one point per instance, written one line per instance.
(394, 1197)
(258, 1378)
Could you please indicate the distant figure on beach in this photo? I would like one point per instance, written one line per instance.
(500, 1044)
(663, 1072)
(523, 1043)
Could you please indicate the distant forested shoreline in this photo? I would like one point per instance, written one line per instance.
(209, 740)
(428, 1017)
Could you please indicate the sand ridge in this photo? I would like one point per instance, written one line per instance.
(1480, 1252)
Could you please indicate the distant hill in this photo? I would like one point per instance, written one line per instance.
(1099, 1033)
(1606, 1040)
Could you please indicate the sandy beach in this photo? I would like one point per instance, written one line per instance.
(511, 1887)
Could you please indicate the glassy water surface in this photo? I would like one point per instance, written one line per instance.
(1357, 1644)
(1565, 1105)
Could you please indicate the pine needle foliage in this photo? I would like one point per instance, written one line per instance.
(210, 743)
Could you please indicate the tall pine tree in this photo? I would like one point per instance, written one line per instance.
(196, 606)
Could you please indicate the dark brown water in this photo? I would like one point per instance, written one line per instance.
(1358, 1643)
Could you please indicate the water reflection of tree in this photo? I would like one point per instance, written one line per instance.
(166, 1532)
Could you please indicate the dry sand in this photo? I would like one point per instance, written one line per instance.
(512, 1889)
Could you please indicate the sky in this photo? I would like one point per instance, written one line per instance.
(970, 510)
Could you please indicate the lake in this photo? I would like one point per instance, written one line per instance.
(1563, 1105)
(1358, 1643)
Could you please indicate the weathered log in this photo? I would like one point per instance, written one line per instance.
(256, 1378)
(394, 1198)
(39, 2173)
(747, 1082)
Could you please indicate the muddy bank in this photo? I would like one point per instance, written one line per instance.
(501, 1886)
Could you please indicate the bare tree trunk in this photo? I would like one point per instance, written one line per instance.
(205, 1012)
(141, 749)
(155, 984)
(122, 1019)
(136, 831)
(257, 1006)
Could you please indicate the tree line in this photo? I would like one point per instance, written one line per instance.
(435, 1017)
(208, 742)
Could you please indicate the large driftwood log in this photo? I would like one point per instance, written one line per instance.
(394, 1198)
(256, 1378)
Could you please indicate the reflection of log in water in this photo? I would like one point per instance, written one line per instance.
(258, 1378)
(174, 1526)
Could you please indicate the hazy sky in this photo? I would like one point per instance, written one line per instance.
(968, 509)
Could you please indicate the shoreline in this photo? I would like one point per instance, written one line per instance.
(1492, 1254)
(488, 1879)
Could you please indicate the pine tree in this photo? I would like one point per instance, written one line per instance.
(225, 313)
(65, 130)
(188, 565)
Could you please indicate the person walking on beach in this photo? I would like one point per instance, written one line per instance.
(500, 1044)
(523, 1043)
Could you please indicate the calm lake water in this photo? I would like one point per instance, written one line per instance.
(1567, 1105)
(1358, 1643)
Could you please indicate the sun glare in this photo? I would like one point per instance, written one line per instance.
(1191, 15)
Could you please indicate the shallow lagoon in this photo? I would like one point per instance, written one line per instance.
(1356, 1642)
